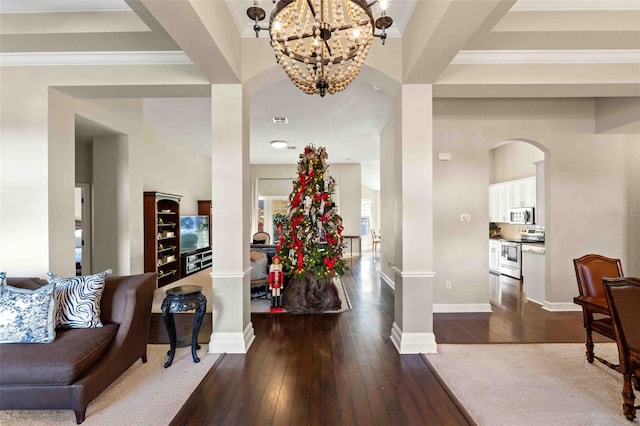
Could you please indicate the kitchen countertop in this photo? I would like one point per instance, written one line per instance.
(526, 247)
(534, 248)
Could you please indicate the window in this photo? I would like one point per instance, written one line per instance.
(365, 216)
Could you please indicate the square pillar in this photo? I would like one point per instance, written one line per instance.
(412, 330)
(231, 207)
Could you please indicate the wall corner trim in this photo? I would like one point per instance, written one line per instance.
(387, 280)
(560, 307)
(232, 343)
(413, 343)
(413, 274)
(442, 308)
(215, 275)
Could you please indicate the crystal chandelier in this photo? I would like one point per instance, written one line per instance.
(321, 44)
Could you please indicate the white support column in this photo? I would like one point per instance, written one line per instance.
(412, 330)
(231, 204)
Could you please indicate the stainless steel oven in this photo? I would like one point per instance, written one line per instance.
(511, 259)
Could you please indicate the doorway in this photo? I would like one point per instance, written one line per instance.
(82, 230)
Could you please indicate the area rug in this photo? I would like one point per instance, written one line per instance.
(261, 305)
(146, 394)
(532, 384)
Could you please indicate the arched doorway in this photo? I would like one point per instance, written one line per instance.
(517, 227)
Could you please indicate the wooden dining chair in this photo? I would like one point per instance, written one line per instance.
(623, 297)
(375, 239)
(590, 270)
(261, 238)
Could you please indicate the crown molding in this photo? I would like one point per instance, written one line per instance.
(93, 58)
(574, 5)
(50, 6)
(470, 57)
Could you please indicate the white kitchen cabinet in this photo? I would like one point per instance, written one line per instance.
(504, 196)
(506, 201)
(494, 203)
(533, 276)
(523, 192)
(494, 256)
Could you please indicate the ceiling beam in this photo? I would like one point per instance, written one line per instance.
(193, 27)
(439, 30)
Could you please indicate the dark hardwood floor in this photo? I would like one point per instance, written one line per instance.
(342, 369)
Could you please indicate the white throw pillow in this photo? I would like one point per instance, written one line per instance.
(259, 268)
(78, 299)
(27, 316)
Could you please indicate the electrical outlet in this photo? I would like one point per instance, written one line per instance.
(465, 217)
(447, 285)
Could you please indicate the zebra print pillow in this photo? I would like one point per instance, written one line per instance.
(78, 299)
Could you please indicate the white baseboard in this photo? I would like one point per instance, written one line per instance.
(232, 343)
(448, 308)
(413, 343)
(560, 307)
(388, 280)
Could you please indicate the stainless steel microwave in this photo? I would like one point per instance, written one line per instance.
(522, 216)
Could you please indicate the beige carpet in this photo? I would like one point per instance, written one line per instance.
(533, 384)
(258, 305)
(146, 394)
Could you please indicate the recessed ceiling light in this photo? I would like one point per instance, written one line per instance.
(280, 120)
(279, 144)
(376, 87)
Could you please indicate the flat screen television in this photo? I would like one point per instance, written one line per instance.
(194, 233)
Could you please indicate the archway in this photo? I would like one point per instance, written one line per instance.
(517, 187)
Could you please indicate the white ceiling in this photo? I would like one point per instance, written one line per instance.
(465, 48)
(399, 10)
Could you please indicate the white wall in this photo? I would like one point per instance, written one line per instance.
(117, 215)
(61, 183)
(584, 180)
(37, 157)
(460, 186)
(513, 160)
(387, 199)
(84, 162)
(346, 175)
(176, 167)
(111, 226)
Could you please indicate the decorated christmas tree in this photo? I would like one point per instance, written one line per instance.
(310, 246)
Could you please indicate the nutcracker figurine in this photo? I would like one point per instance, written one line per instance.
(276, 279)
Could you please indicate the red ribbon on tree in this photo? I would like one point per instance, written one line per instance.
(297, 244)
(323, 196)
(330, 262)
(304, 180)
(300, 259)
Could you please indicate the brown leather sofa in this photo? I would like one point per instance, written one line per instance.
(73, 370)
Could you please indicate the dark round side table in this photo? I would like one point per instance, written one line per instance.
(181, 299)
